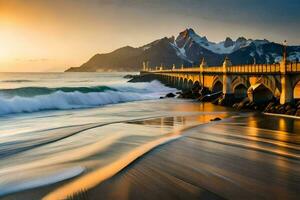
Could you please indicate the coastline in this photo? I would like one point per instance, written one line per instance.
(206, 163)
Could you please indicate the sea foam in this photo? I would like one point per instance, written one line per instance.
(27, 100)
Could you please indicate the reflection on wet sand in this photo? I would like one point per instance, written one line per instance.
(246, 157)
(178, 125)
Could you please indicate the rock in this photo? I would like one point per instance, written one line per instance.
(270, 107)
(277, 107)
(298, 113)
(216, 119)
(235, 105)
(242, 104)
(143, 78)
(170, 95)
(298, 103)
(227, 100)
(129, 76)
(187, 95)
(292, 111)
(250, 105)
(281, 109)
(204, 91)
(161, 97)
(288, 107)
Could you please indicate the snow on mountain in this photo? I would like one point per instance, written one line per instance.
(294, 56)
(179, 51)
(227, 46)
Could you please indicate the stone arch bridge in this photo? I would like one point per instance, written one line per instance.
(260, 82)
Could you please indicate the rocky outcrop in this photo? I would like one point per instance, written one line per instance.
(143, 78)
(216, 119)
(286, 109)
(170, 95)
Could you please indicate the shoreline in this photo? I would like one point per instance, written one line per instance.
(194, 167)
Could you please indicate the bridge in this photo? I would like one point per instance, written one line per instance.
(260, 82)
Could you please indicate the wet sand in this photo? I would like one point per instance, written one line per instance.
(251, 157)
(244, 156)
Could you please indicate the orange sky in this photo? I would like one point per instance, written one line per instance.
(52, 35)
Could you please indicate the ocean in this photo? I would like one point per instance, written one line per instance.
(52, 125)
(61, 133)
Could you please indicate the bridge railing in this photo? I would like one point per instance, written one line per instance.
(257, 68)
(216, 69)
(293, 67)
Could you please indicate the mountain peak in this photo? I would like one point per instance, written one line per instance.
(187, 32)
(190, 30)
(241, 39)
(228, 42)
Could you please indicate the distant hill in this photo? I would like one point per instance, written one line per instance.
(188, 49)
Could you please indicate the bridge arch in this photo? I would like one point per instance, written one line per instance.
(185, 84)
(217, 84)
(217, 87)
(177, 82)
(240, 86)
(296, 89)
(190, 84)
(197, 85)
(180, 82)
(240, 91)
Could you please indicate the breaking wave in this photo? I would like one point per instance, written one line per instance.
(33, 99)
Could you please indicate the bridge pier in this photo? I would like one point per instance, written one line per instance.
(287, 90)
(228, 94)
(201, 76)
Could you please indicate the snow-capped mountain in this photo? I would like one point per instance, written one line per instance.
(187, 49)
(188, 36)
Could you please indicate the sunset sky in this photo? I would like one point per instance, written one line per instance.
(52, 35)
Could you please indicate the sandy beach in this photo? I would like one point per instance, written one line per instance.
(243, 156)
(237, 158)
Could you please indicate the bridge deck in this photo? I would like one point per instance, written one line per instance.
(238, 69)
